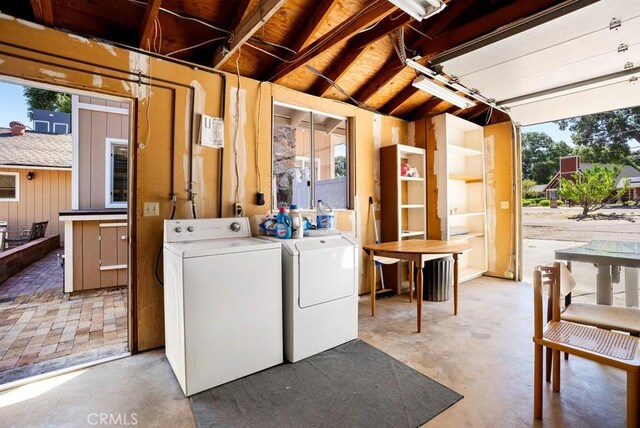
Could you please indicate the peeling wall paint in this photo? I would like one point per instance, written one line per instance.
(30, 24)
(97, 81)
(79, 39)
(108, 48)
(411, 134)
(52, 73)
(377, 143)
(125, 85)
(139, 66)
(7, 17)
(395, 135)
(440, 171)
(490, 189)
(238, 142)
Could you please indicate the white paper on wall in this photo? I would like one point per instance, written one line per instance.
(212, 131)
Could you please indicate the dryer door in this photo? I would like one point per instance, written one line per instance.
(327, 270)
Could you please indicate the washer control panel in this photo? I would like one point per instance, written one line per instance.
(207, 228)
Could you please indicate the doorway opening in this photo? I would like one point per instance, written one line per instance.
(64, 170)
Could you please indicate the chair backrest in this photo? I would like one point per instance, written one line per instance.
(38, 230)
(545, 275)
(3, 235)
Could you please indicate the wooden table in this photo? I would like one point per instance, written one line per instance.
(417, 251)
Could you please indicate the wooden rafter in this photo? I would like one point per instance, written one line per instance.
(396, 102)
(369, 16)
(422, 111)
(251, 23)
(150, 15)
(487, 23)
(43, 11)
(357, 47)
(321, 13)
(444, 19)
(241, 8)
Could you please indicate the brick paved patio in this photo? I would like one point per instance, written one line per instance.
(43, 329)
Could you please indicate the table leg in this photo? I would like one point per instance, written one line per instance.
(372, 274)
(411, 265)
(604, 291)
(455, 284)
(419, 295)
(631, 287)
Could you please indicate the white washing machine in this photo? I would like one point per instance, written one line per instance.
(320, 294)
(222, 301)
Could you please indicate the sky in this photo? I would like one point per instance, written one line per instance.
(12, 105)
(552, 130)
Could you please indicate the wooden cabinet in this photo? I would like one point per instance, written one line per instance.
(457, 190)
(403, 204)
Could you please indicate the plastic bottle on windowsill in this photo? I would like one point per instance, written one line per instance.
(324, 216)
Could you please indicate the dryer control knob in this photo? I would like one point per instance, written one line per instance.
(235, 226)
(178, 229)
(190, 228)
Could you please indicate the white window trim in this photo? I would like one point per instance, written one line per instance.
(43, 121)
(66, 127)
(107, 172)
(17, 197)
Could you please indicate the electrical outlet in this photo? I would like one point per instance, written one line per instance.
(151, 209)
(504, 205)
(238, 210)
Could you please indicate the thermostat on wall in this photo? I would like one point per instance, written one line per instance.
(212, 131)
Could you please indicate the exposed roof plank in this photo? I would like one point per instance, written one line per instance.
(367, 17)
(396, 102)
(356, 48)
(483, 25)
(150, 15)
(321, 13)
(442, 20)
(43, 11)
(247, 28)
(422, 111)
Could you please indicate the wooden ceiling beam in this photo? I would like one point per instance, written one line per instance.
(357, 47)
(320, 14)
(444, 19)
(251, 23)
(430, 47)
(241, 9)
(396, 102)
(360, 21)
(150, 15)
(43, 11)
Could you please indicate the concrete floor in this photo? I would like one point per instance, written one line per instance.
(484, 353)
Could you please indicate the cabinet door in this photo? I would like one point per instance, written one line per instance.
(108, 256)
(123, 251)
(90, 255)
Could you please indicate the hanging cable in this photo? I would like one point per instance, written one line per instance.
(257, 145)
(157, 264)
(342, 91)
(237, 131)
(195, 46)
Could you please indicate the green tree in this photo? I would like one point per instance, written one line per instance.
(340, 163)
(604, 137)
(527, 187)
(593, 188)
(44, 99)
(541, 156)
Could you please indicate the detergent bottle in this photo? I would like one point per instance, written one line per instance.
(324, 216)
(283, 227)
(296, 222)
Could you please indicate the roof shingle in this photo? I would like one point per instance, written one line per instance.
(35, 149)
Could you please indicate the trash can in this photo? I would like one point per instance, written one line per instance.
(437, 278)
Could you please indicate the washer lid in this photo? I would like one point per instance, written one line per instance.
(214, 247)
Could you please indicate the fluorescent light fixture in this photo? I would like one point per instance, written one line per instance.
(420, 9)
(427, 85)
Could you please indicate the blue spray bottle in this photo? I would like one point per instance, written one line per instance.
(283, 228)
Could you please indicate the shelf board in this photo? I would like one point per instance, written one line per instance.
(466, 178)
(408, 233)
(466, 214)
(464, 151)
(412, 206)
(466, 235)
(465, 274)
(411, 178)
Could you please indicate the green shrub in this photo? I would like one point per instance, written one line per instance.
(526, 202)
(560, 203)
(544, 203)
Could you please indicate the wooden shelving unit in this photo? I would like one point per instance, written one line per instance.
(403, 205)
(457, 191)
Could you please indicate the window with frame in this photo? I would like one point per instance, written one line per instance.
(116, 166)
(302, 138)
(9, 186)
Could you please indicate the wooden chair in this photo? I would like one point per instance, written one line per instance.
(37, 231)
(603, 346)
(603, 316)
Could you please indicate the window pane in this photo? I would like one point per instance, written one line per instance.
(7, 186)
(119, 173)
(291, 157)
(330, 145)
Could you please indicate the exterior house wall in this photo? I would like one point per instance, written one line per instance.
(40, 199)
(93, 128)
